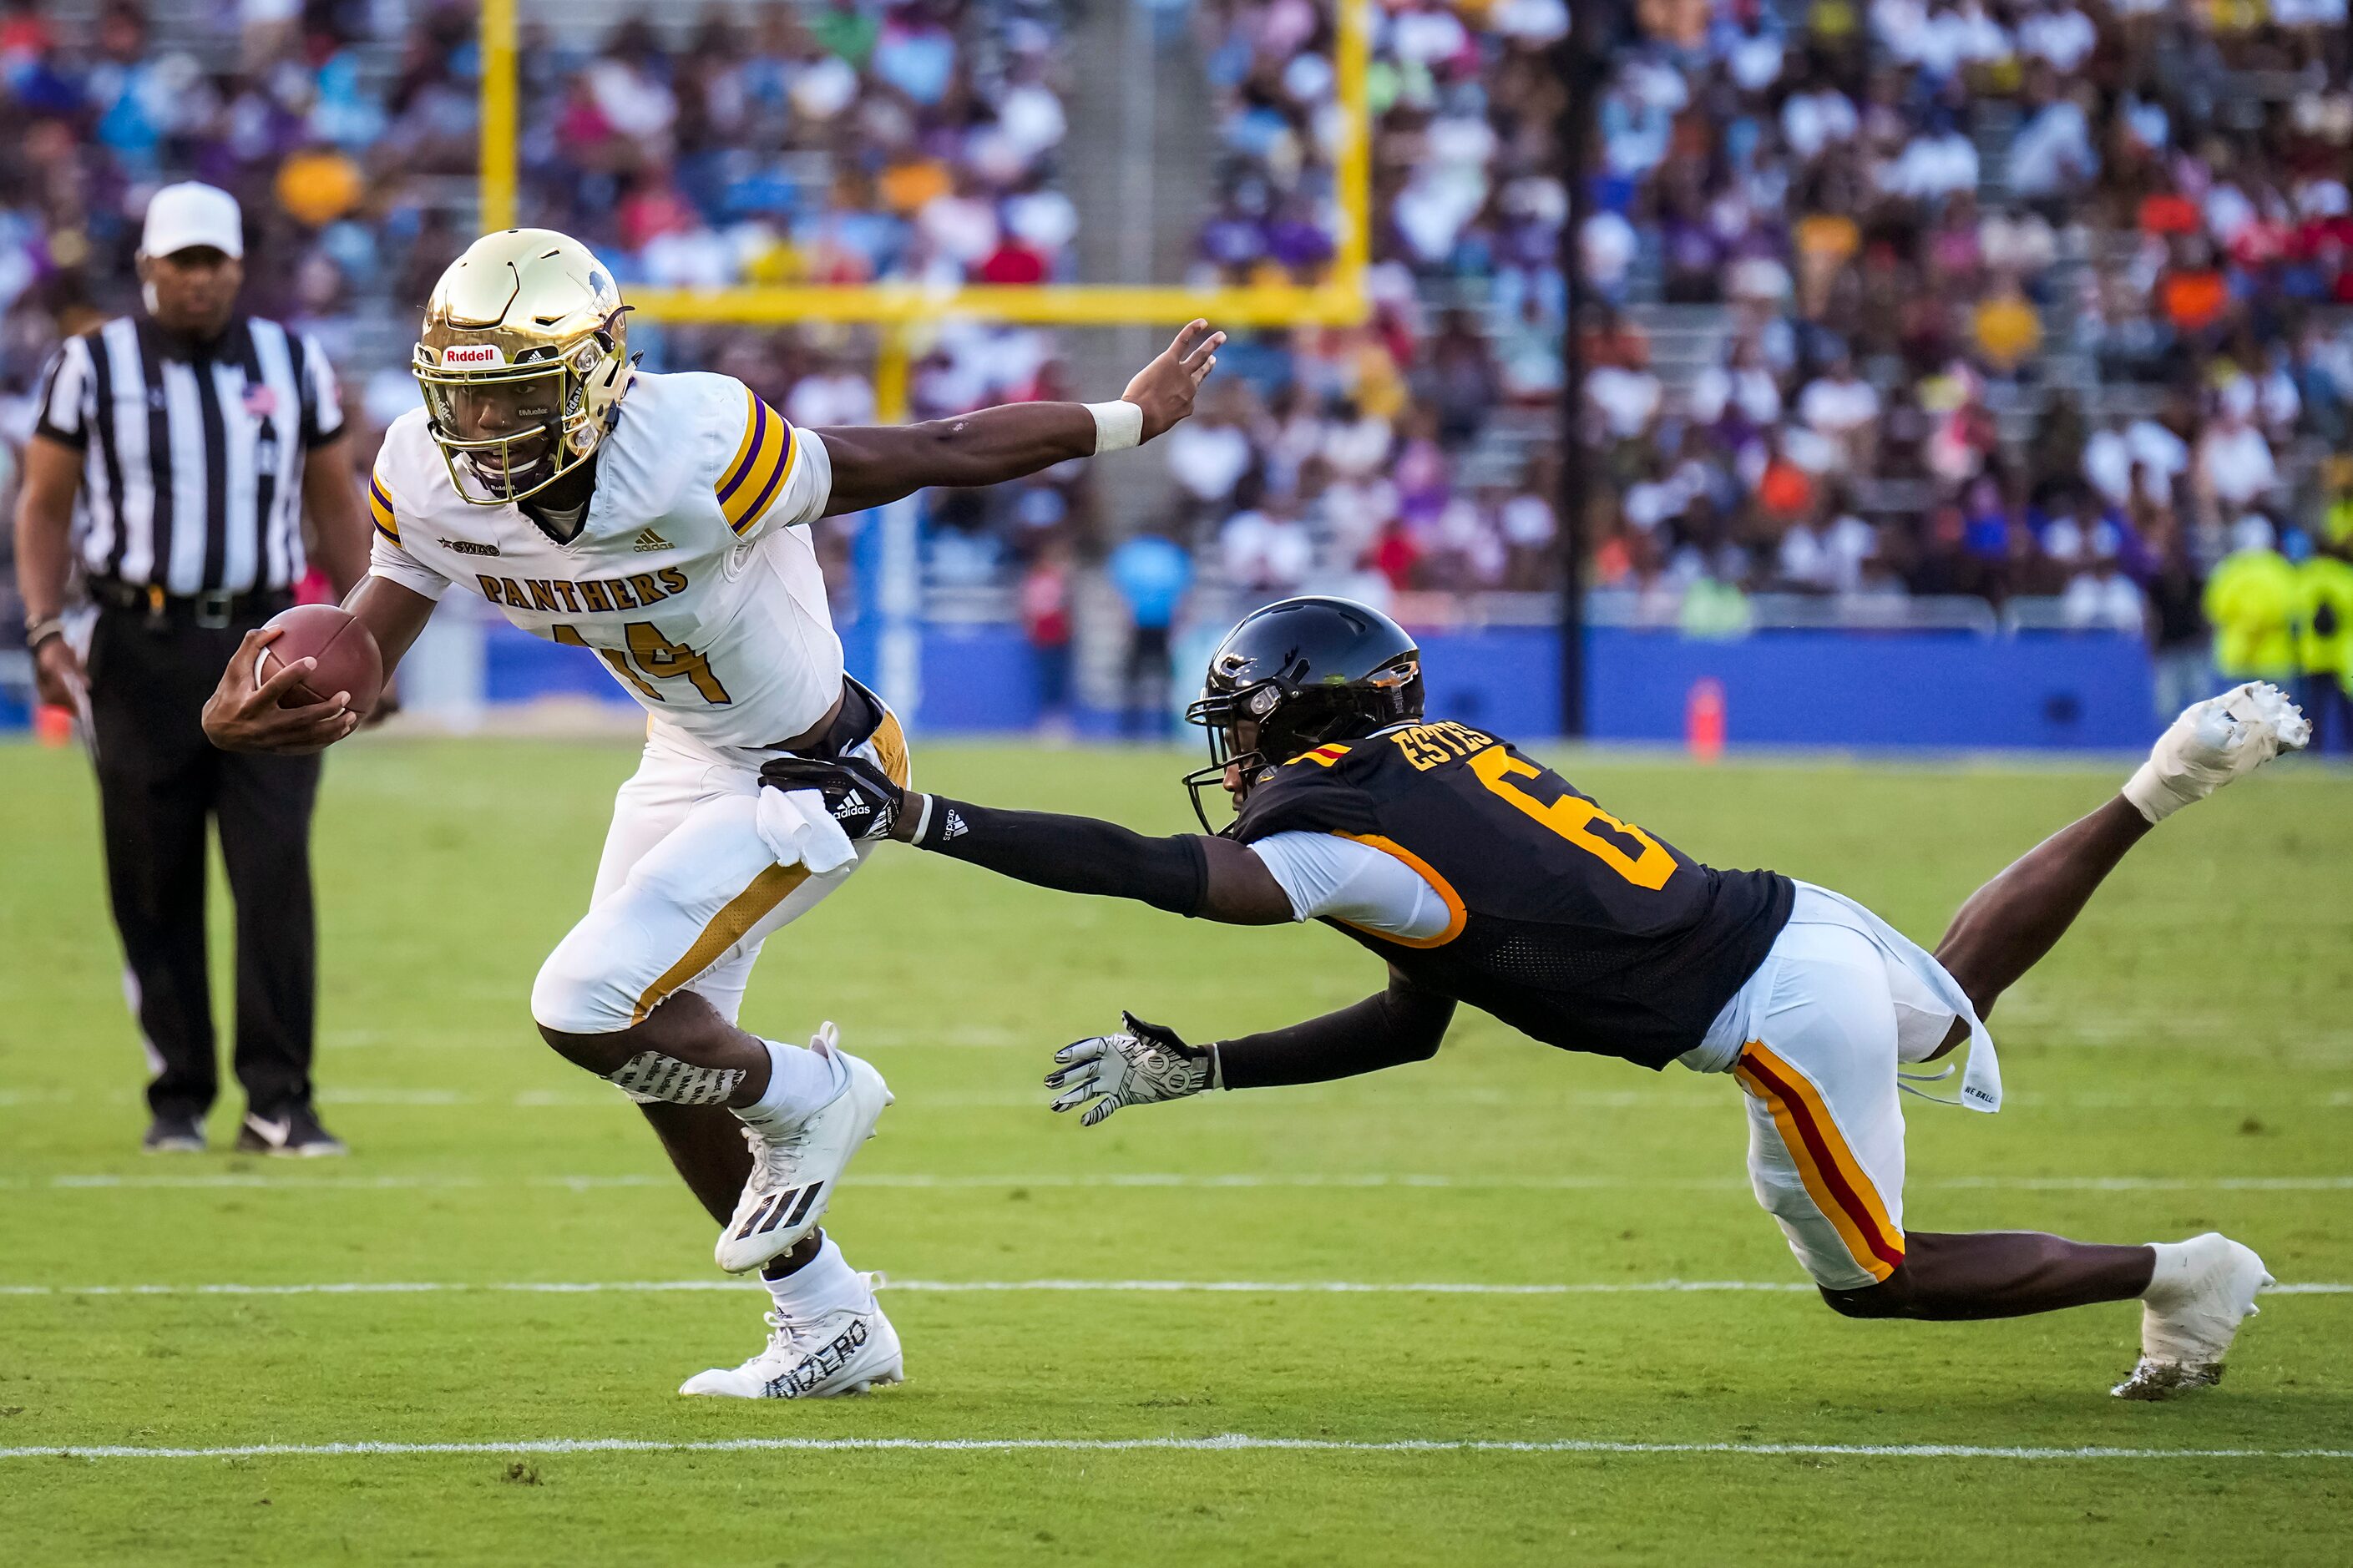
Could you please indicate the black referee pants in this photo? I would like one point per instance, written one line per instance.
(158, 780)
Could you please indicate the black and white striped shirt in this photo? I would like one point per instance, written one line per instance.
(192, 466)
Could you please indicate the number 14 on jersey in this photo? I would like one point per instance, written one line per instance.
(651, 657)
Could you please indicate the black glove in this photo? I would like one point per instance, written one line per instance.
(858, 794)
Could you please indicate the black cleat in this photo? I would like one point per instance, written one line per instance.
(293, 1132)
(174, 1135)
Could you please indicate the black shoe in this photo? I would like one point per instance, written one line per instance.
(295, 1131)
(174, 1135)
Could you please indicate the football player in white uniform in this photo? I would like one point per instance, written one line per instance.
(657, 520)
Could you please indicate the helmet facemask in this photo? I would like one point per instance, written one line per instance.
(1259, 727)
(527, 317)
(555, 391)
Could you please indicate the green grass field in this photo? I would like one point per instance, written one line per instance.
(2179, 1064)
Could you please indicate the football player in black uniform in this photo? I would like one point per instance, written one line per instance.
(1482, 876)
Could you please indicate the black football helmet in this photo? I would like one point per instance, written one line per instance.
(1301, 672)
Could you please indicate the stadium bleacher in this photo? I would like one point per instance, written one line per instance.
(1938, 314)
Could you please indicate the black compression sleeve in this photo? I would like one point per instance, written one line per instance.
(1072, 854)
(1401, 1024)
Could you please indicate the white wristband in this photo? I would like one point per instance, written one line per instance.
(1119, 425)
(923, 820)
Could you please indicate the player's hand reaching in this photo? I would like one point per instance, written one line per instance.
(245, 715)
(858, 795)
(1141, 1064)
(1165, 388)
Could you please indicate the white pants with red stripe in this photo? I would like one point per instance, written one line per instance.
(687, 891)
(1816, 1037)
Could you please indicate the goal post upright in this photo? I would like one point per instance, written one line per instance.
(497, 128)
(898, 310)
(1338, 299)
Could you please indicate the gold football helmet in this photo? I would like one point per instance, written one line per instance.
(524, 359)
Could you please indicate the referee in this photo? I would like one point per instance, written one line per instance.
(174, 453)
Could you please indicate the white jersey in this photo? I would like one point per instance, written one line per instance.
(687, 577)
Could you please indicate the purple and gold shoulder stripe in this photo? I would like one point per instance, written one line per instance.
(760, 468)
(380, 509)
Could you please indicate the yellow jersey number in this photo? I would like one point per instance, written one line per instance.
(1574, 817)
(657, 657)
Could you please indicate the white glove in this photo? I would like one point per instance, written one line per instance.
(2214, 742)
(1143, 1065)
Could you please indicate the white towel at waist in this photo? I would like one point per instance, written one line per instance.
(795, 826)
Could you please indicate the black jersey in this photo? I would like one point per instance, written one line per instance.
(1568, 924)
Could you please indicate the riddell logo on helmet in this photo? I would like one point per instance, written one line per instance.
(472, 355)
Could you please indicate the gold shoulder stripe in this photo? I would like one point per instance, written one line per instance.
(734, 470)
(380, 509)
(1322, 756)
(760, 466)
(789, 446)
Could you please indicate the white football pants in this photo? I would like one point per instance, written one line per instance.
(1827, 1020)
(687, 889)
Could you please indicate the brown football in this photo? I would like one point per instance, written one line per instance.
(347, 655)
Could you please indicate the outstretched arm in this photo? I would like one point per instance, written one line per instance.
(875, 464)
(1185, 873)
(1403, 1024)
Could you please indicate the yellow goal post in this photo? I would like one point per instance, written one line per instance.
(1339, 299)
(899, 310)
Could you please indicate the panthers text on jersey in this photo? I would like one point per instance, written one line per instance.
(687, 577)
(1567, 923)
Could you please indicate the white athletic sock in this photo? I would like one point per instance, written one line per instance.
(799, 1081)
(823, 1284)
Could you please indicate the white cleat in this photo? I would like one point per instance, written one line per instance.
(794, 1172)
(847, 1351)
(2187, 1324)
(2214, 741)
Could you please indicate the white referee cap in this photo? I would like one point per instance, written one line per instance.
(191, 214)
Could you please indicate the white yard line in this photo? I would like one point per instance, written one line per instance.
(1227, 1443)
(1108, 1287)
(280, 1179)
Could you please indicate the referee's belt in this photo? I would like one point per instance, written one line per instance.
(214, 611)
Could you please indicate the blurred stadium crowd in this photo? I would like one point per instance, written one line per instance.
(2037, 299)
(2041, 302)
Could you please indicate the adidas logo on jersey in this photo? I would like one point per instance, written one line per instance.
(648, 540)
